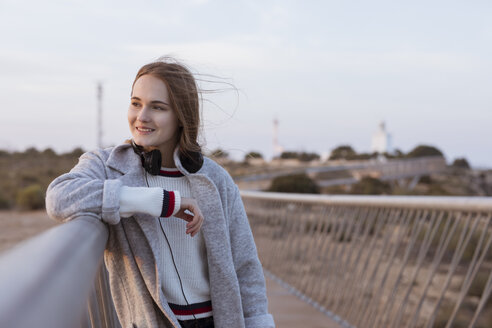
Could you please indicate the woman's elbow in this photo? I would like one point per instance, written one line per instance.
(53, 209)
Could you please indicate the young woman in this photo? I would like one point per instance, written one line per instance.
(180, 251)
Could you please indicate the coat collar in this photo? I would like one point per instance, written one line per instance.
(123, 159)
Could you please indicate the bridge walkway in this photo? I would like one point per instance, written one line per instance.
(289, 311)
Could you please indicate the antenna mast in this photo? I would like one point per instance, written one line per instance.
(99, 114)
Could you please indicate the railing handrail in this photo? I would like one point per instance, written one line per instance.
(422, 202)
(379, 261)
(46, 280)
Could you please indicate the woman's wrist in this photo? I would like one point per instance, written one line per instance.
(171, 202)
(154, 201)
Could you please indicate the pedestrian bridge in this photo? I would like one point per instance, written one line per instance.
(353, 261)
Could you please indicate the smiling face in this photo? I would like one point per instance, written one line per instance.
(152, 120)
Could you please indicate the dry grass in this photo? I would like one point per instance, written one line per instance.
(16, 227)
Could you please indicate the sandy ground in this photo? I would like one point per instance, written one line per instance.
(18, 226)
(287, 309)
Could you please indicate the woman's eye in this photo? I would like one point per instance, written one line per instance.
(135, 104)
(159, 108)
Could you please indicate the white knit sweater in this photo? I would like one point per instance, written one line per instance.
(191, 285)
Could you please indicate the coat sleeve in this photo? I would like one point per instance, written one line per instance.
(248, 268)
(84, 190)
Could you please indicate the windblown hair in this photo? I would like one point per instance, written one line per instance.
(184, 97)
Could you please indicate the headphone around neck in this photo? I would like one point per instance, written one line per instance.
(152, 160)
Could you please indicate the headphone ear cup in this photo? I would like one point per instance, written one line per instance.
(153, 161)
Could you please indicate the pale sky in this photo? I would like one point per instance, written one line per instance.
(330, 71)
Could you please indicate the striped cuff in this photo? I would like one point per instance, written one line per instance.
(171, 203)
(177, 202)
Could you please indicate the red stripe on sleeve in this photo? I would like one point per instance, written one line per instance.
(172, 202)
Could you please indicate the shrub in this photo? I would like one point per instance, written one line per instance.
(296, 183)
(4, 202)
(301, 156)
(75, 153)
(478, 285)
(342, 152)
(48, 152)
(219, 153)
(423, 151)
(461, 163)
(370, 186)
(289, 155)
(425, 179)
(31, 198)
(252, 154)
(307, 157)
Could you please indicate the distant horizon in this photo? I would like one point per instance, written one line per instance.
(266, 157)
(329, 71)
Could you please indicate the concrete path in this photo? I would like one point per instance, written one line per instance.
(289, 311)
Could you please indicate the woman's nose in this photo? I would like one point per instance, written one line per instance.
(143, 115)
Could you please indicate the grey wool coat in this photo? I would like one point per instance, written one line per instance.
(237, 284)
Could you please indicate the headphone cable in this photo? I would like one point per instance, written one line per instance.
(172, 255)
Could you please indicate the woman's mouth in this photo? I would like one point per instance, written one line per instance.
(144, 130)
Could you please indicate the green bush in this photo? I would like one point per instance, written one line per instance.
(423, 151)
(478, 285)
(342, 152)
(4, 202)
(370, 186)
(30, 198)
(425, 179)
(219, 153)
(296, 183)
(301, 156)
(253, 154)
(461, 163)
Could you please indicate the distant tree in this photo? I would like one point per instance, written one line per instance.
(31, 151)
(307, 157)
(302, 156)
(370, 186)
(343, 152)
(4, 201)
(296, 183)
(49, 152)
(75, 153)
(425, 179)
(399, 153)
(364, 156)
(423, 151)
(461, 163)
(289, 155)
(252, 154)
(30, 198)
(219, 153)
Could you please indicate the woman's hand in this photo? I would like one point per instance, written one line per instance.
(195, 219)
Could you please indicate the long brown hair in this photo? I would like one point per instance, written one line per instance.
(184, 97)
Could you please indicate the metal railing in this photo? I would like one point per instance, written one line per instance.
(368, 261)
(47, 280)
(379, 261)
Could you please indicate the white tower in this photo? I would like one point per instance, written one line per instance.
(277, 149)
(381, 140)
